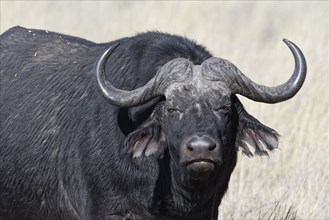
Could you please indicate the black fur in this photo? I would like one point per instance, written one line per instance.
(65, 153)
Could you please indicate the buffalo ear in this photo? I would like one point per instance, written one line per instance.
(149, 139)
(252, 133)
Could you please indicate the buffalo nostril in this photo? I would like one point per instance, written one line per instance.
(190, 148)
(212, 146)
(209, 143)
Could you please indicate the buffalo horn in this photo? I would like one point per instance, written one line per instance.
(240, 84)
(175, 70)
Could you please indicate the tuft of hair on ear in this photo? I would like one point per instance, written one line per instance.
(252, 134)
(147, 140)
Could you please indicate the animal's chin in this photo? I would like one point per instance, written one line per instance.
(200, 169)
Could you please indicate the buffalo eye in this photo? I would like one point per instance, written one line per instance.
(222, 109)
(173, 110)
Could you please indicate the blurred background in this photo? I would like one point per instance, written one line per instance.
(294, 180)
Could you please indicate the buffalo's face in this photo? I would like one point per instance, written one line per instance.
(200, 122)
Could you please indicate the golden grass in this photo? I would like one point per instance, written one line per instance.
(294, 180)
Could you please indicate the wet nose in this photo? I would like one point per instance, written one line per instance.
(201, 144)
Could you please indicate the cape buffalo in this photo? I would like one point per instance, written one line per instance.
(144, 127)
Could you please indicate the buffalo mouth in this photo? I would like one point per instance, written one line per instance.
(200, 169)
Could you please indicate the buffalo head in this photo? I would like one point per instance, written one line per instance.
(201, 121)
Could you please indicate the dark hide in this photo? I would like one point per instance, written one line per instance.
(176, 199)
(65, 153)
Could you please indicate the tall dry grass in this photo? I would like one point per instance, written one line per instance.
(293, 183)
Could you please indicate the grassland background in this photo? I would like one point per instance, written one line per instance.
(248, 33)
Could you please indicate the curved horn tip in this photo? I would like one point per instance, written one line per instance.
(111, 49)
(289, 43)
(286, 40)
